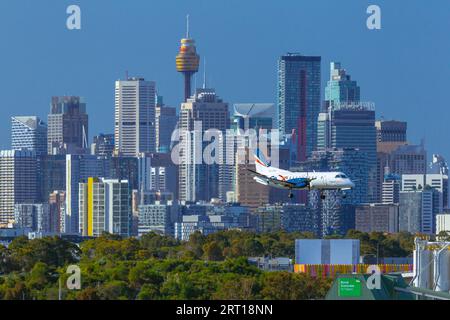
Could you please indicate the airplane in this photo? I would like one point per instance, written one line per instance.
(283, 179)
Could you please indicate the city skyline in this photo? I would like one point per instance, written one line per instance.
(385, 76)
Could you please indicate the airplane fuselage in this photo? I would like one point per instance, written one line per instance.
(284, 179)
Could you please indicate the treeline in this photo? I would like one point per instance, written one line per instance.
(158, 267)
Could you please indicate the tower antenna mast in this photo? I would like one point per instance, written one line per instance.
(187, 27)
(204, 74)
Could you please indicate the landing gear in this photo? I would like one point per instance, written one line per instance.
(291, 195)
(344, 195)
(322, 196)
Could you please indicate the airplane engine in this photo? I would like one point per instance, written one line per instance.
(261, 181)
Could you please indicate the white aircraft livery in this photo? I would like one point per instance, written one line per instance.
(283, 179)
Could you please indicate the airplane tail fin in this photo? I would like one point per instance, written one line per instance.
(260, 162)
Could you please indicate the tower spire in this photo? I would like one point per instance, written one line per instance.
(187, 27)
(204, 74)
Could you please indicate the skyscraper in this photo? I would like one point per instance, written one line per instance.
(299, 99)
(29, 133)
(390, 136)
(17, 181)
(103, 145)
(105, 206)
(57, 202)
(78, 169)
(165, 124)
(187, 61)
(418, 210)
(204, 111)
(35, 216)
(408, 159)
(348, 123)
(67, 126)
(334, 213)
(134, 117)
(248, 117)
(340, 87)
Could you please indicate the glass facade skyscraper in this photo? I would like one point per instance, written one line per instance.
(29, 133)
(340, 87)
(348, 122)
(299, 99)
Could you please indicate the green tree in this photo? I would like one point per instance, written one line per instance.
(213, 251)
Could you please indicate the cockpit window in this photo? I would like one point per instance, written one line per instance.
(341, 176)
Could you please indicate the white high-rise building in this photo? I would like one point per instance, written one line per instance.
(203, 112)
(134, 131)
(18, 181)
(440, 182)
(105, 206)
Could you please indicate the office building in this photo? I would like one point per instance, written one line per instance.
(78, 169)
(443, 222)
(285, 217)
(390, 191)
(299, 99)
(248, 192)
(376, 217)
(408, 159)
(166, 120)
(105, 206)
(35, 216)
(249, 122)
(51, 172)
(335, 213)
(18, 181)
(411, 182)
(340, 87)
(159, 217)
(418, 210)
(438, 165)
(390, 135)
(29, 133)
(351, 126)
(199, 177)
(103, 145)
(68, 129)
(57, 203)
(134, 131)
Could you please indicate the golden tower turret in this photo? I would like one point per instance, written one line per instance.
(187, 61)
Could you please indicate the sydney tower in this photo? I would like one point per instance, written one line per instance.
(187, 61)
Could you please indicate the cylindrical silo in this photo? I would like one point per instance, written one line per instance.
(442, 270)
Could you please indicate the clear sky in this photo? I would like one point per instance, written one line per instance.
(404, 68)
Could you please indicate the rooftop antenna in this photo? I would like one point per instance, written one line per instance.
(187, 27)
(204, 74)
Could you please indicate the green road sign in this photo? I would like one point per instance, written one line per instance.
(349, 287)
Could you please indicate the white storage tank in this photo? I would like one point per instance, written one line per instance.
(442, 270)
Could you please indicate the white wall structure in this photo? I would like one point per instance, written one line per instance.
(334, 251)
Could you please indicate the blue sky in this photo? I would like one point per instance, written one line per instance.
(404, 68)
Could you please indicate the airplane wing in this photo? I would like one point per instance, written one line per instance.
(284, 184)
